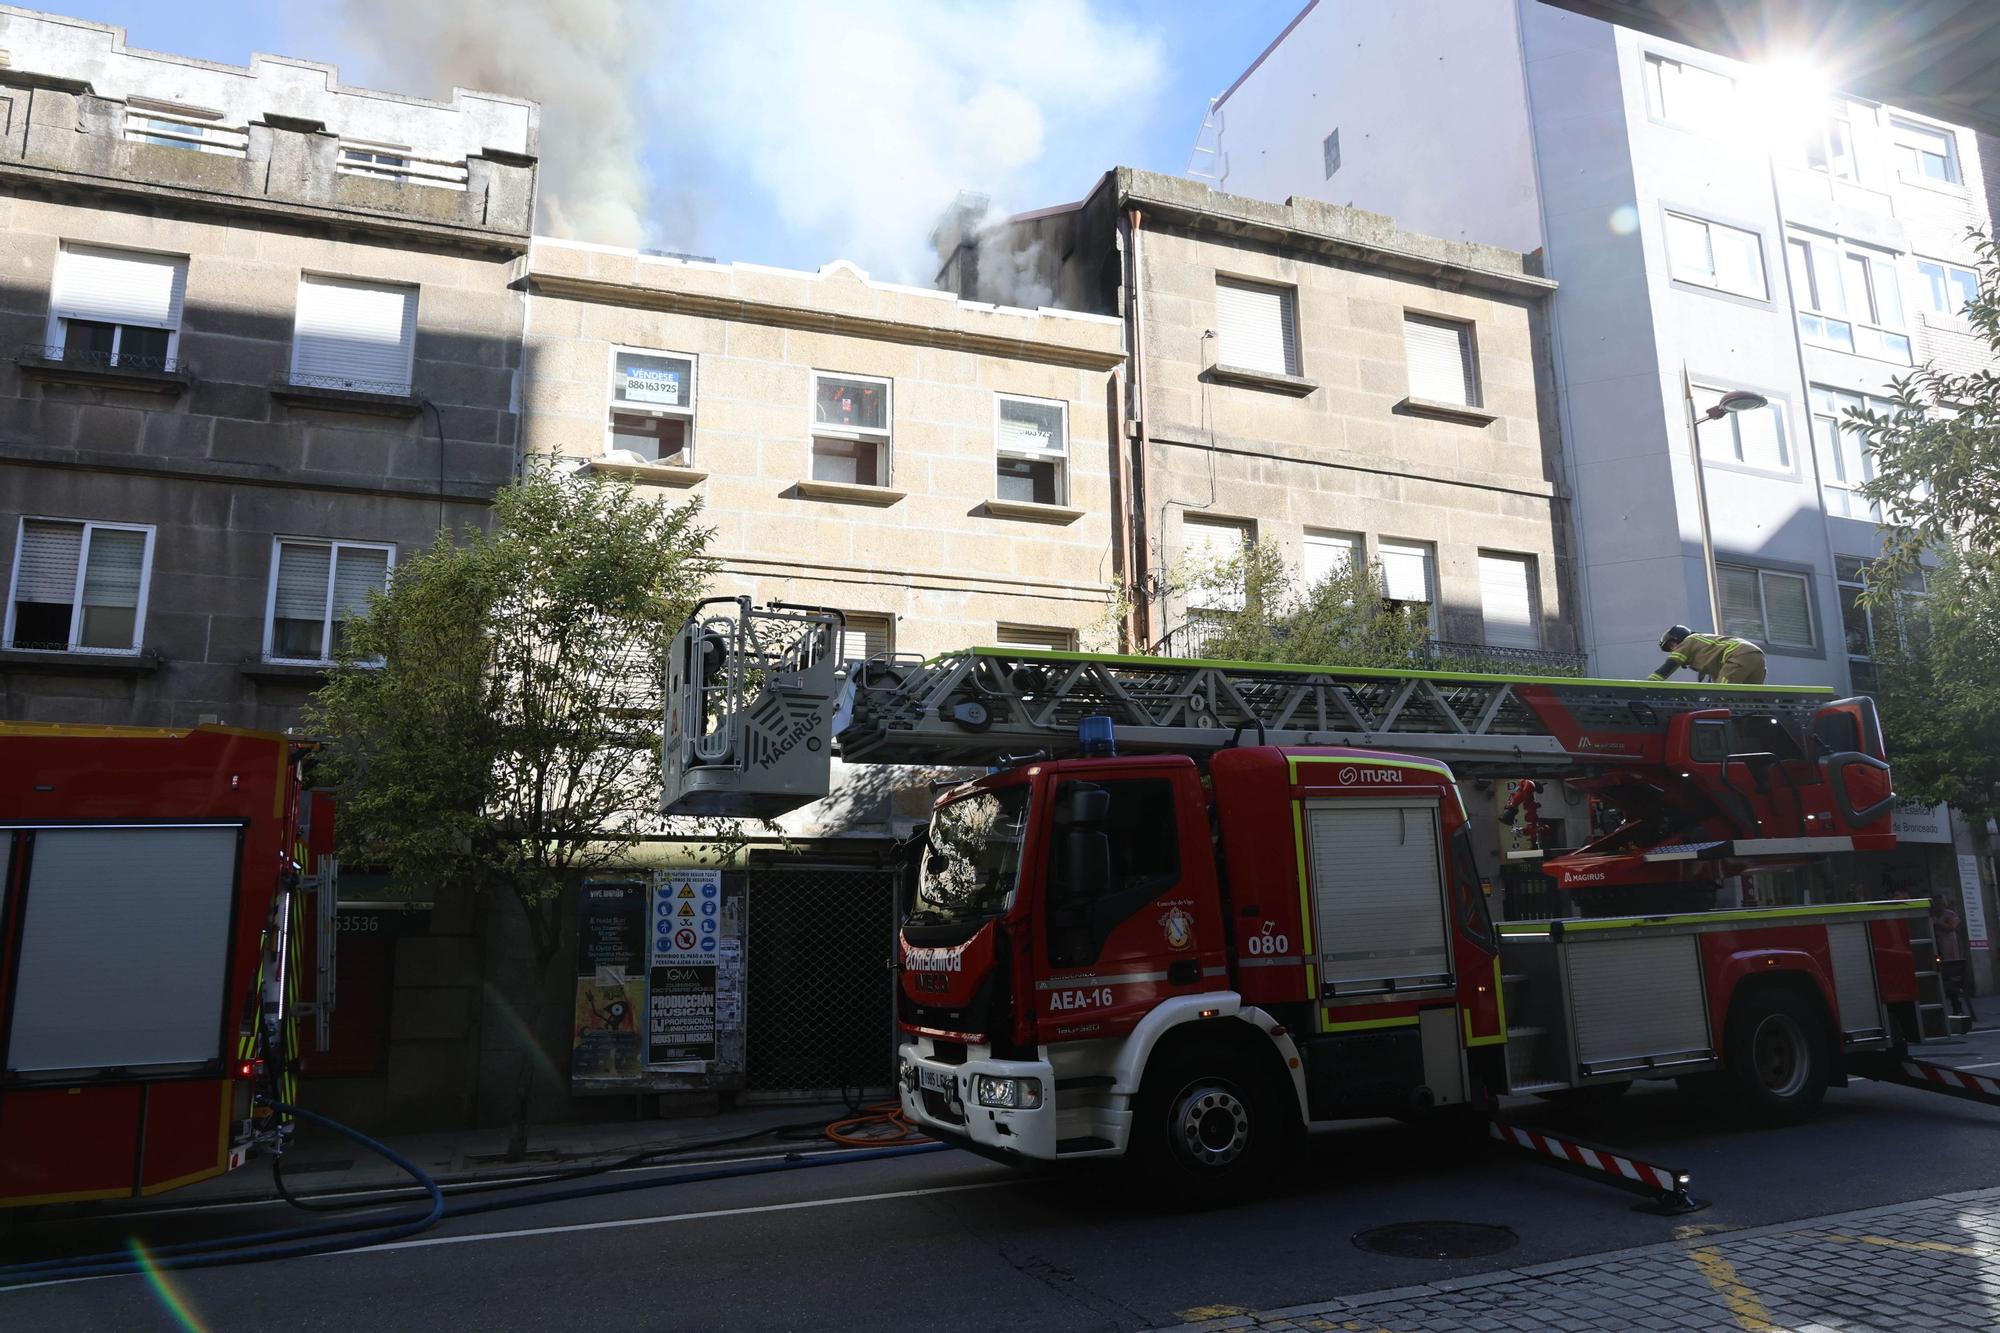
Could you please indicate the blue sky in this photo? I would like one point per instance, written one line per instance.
(787, 132)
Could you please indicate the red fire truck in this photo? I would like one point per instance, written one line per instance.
(149, 902)
(1193, 908)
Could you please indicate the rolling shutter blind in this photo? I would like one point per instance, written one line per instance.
(1328, 554)
(1742, 614)
(120, 287)
(1788, 617)
(1254, 328)
(865, 636)
(1376, 892)
(1440, 353)
(49, 555)
(1507, 600)
(355, 335)
(117, 561)
(1406, 571)
(357, 571)
(302, 576)
(1030, 636)
(1206, 549)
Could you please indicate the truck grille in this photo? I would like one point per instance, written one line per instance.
(940, 1107)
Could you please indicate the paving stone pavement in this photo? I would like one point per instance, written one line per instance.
(1908, 1268)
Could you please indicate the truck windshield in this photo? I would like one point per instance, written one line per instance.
(973, 857)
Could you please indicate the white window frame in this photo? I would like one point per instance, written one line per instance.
(1764, 605)
(1468, 355)
(614, 406)
(184, 128)
(333, 546)
(358, 157)
(1661, 97)
(1857, 582)
(883, 438)
(414, 296)
(1806, 257)
(1288, 322)
(1355, 545)
(1836, 123)
(57, 338)
(1007, 634)
(1711, 279)
(1531, 568)
(1902, 126)
(1060, 456)
(1946, 270)
(1225, 602)
(82, 571)
(1733, 424)
(1429, 551)
(1833, 455)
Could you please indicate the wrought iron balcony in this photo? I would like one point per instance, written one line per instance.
(1196, 637)
(89, 359)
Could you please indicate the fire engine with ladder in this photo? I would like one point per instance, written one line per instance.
(154, 926)
(1189, 909)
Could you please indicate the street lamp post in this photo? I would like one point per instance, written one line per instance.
(1736, 400)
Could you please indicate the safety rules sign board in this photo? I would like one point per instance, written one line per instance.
(680, 1014)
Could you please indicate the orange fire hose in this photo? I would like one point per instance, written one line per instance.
(882, 1125)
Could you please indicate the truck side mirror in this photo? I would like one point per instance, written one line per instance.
(1087, 862)
(1084, 804)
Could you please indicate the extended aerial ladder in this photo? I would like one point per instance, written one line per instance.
(1705, 779)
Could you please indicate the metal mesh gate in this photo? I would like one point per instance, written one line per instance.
(820, 1011)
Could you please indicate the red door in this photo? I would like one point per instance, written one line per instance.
(1130, 910)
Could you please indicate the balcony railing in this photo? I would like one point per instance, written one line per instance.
(1196, 637)
(91, 359)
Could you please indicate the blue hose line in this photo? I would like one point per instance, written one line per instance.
(180, 1256)
(299, 1241)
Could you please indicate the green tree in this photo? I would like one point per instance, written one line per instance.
(1344, 619)
(1936, 456)
(489, 720)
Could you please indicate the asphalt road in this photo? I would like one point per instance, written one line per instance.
(948, 1240)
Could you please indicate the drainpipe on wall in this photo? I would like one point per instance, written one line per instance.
(1136, 428)
(1121, 507)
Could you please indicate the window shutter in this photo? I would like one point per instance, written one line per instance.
(1207, 548)
(1742, 610)
(1507, 600)
(1440, 353)
(1406, 571)
(302, 579)
(49, 555)
(866, 636)
(117, 562)
(355, 335)
(120, 287)
(357, 571)
(1031, 636)
(1254, 328)
(1327, 554)
(1787, 611)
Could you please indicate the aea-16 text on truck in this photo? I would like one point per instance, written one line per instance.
(1217, 902)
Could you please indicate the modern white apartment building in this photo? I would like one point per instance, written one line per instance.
(1712, 227)
(1709, 223)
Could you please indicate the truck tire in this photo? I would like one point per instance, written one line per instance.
(1207, 1126)
(1777, 1058)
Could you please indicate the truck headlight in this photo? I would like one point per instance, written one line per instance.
(1009, 1094)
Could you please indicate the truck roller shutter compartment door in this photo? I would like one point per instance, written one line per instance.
(1378, 895)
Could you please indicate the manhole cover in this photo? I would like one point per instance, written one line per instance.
(1437, 1240)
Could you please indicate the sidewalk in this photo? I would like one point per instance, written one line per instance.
(320, 1162)
(1908, 1268)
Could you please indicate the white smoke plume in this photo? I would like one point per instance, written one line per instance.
(860, 120)
(579, 58)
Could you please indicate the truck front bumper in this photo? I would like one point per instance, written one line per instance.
(941, 1098)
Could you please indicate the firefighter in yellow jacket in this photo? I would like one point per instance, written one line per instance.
(1711, 657)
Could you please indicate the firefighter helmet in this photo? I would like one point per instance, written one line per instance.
(1673, 636)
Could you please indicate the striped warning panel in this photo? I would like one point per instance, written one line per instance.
(1951, 1078)
(1577, 1154)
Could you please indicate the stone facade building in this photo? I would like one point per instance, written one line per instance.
(1317, 379)
(259, 340)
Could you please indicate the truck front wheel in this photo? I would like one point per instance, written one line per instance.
(1778, 1058)
(1207, 1127)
